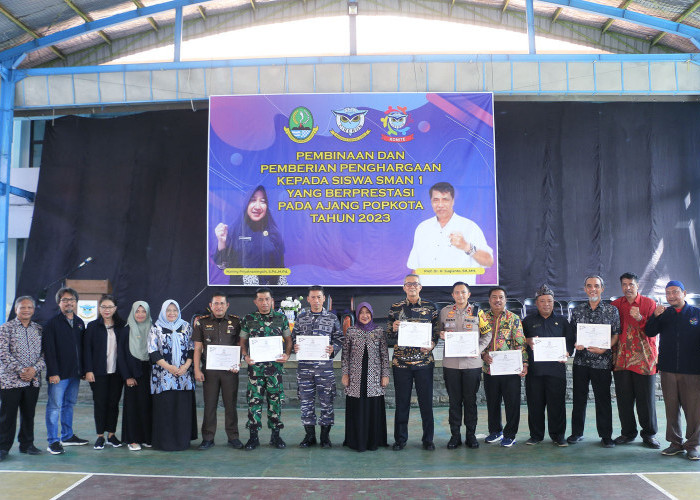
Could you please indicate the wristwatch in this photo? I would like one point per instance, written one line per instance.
(472, 249)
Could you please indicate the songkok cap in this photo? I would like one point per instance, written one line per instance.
(544, 290)
(675, 283)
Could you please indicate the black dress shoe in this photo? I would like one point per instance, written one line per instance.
(471, 442)
(206, 445)
(454, 442)
(30, 450)
(652, 443)
(398, 446)
(236, 443)
(429, 446)
(623, 439)
(574, 439)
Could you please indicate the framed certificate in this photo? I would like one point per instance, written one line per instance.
(265, 348)
(415, 334)
(506, 362)
(223, 357)
(461, 344)
(312, 347)
(549, 348)
(591, 335)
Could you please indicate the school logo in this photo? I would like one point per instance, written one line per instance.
(350, 121)
(394, 123)
(301, 125)
(694, 321)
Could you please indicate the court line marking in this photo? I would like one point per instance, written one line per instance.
(659, 488)
(282, 478)
(74, 485)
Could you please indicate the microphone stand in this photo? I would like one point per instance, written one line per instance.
(41, 296)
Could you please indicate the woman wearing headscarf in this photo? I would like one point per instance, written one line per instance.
(100, 363)
(365, 363)
(171, 350)
(254, 241)
(135, 368)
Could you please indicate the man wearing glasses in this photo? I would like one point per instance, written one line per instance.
(413, 363)
(63, 348)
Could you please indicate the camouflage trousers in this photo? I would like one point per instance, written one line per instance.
(312, 381)
(264, 382)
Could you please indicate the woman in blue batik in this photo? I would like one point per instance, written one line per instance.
(171, 350)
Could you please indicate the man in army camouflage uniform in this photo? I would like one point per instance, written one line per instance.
(217, 328)
(317, 376)
(265, 378)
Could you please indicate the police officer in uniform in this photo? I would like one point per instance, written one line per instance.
(217, 328)
(317, 377)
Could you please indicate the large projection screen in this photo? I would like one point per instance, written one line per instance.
(335, 189)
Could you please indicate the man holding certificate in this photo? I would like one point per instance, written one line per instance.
(550, 340)
(635, 365)
(263, 334)
(463, 326)
(217, 329)
(679, 364)
(597, 326)
(505, 363)
(412, 323)
(317, 339)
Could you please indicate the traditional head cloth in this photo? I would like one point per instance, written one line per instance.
(544, 290)
(369, 326)
(172, 326)
(138, 332)
(675, 283)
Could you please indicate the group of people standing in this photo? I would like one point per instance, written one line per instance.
(157, 364)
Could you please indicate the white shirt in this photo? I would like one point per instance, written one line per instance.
(432, 249)
(111, 350)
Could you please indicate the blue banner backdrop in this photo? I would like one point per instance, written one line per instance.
(331, 189)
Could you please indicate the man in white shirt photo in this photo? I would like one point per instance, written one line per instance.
(448, 241)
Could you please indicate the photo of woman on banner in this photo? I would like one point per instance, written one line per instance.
(254, 241)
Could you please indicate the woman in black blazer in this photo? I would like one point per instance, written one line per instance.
(100, 364)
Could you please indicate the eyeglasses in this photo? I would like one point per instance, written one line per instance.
(412, 284)
(107, 308)
(66, 301)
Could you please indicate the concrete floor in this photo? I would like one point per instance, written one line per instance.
(622, 472)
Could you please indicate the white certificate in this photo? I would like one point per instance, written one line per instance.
(223, 357)
(312, 347)
(549, 348)
(506, 362)
(590, 335)
(461, 344)
(415, 334)
(265, 348)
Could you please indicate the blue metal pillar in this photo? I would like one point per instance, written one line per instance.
(7, 112)
(178, 33)
(530, 16)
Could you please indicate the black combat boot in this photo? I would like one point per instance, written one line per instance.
(325, 439)
(253, 442)
(276, 440)
(310, 438)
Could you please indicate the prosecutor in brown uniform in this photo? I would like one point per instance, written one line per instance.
(217, 328)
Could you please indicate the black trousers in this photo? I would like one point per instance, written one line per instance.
(216, 381)
(548, 392)
(506, 389)
(600, 379)
(403, 387)
(633, 388)
(462, 386)
(106, 393)
(22, 399)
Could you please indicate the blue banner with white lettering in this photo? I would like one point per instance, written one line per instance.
(352, 189)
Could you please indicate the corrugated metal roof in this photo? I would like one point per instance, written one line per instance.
(44, 17)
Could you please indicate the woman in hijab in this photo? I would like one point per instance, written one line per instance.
(254, 241)
(100, 363)
(171, 350)
(365, 363)
(135, 368)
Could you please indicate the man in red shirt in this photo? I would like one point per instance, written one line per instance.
(635, 365)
